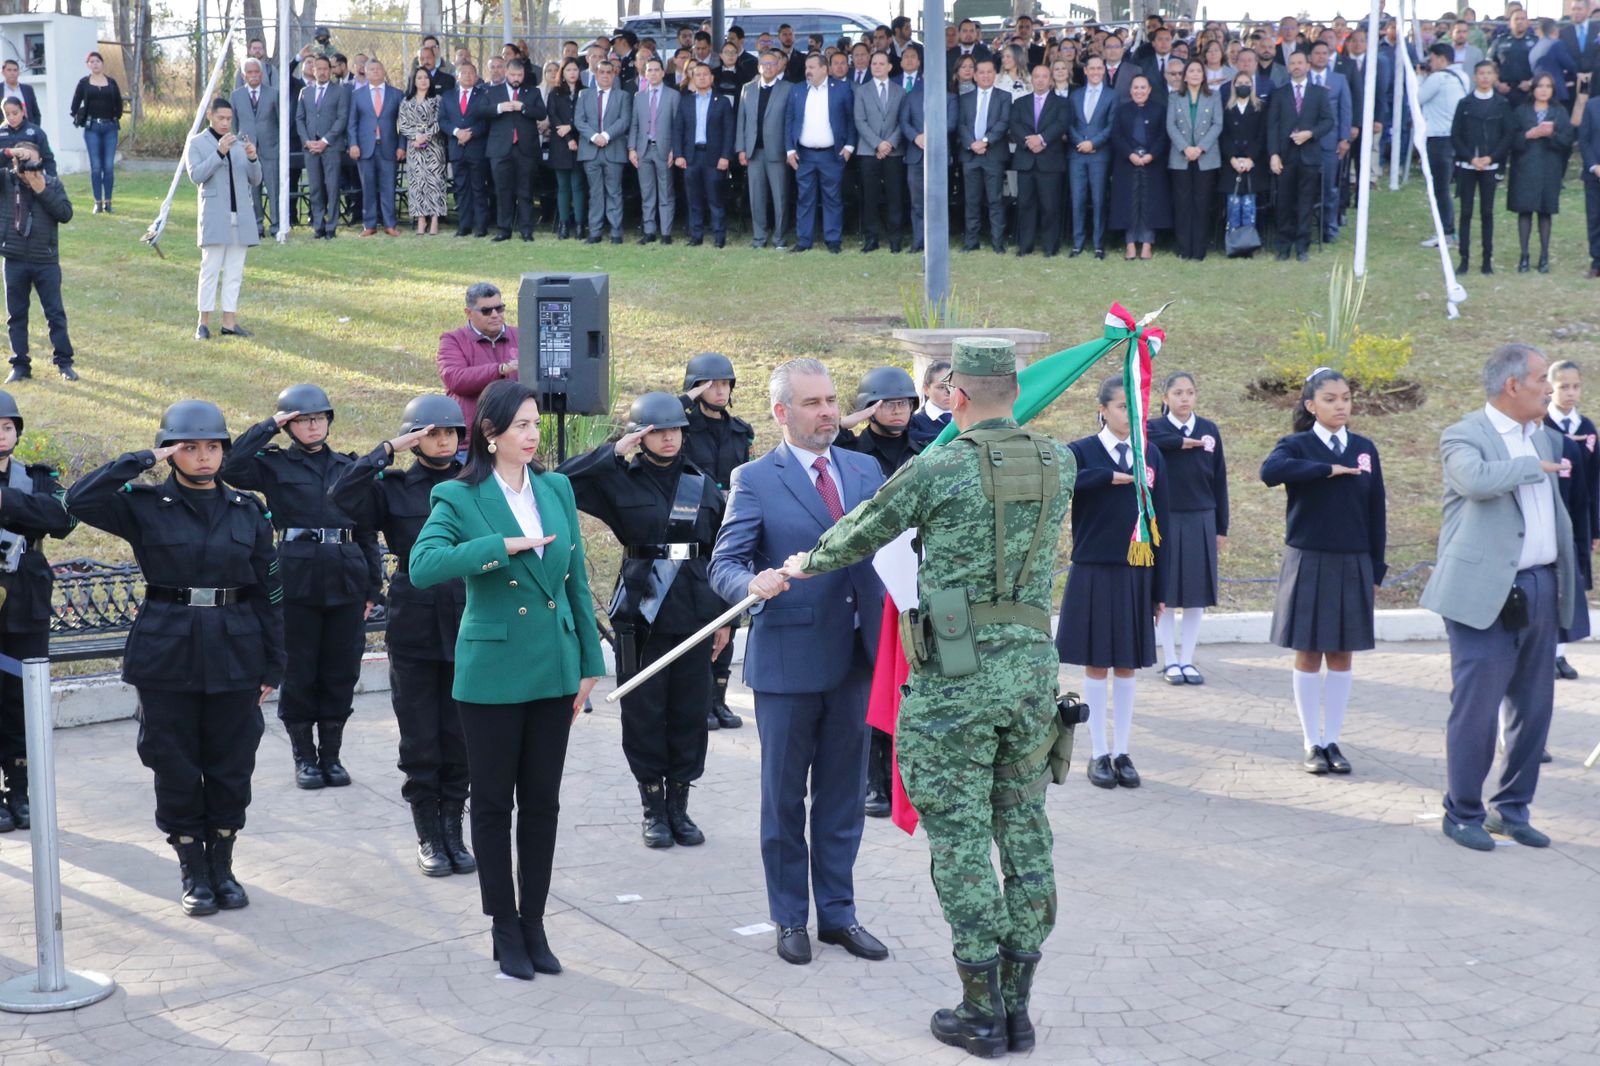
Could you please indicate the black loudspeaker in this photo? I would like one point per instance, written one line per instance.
(564, 341)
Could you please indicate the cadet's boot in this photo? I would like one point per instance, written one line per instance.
(17, 792)
(7, 819)
(461, 860)
(219, 852)
(684, 831)
(1016, 981)
(433, 856)
(198, 897)
(657, 833)
(877, 803)
(726, 719)
(307, 774)
(330, 736)
(978, 1024)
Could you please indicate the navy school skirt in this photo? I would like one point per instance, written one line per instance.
(1325, 601)
(1107, 616)
(1190, 540)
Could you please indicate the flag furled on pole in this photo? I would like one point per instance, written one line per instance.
(1136, 389)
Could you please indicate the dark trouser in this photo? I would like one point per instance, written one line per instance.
(433, 754)
(202, 748)
(1480, 184)
(13, 722)
(880, 761)
(1298, 188)
(516, 749)
(605, 196)
(467, 180)
(705, 183)
(1486, 666)
(1330, 192)
(323, 646)
(883, 183)
(1194, 206)
(664, 720)
(1591, 201)
(1039, 209)
(513, 192)
(377, 186)
(21, 278)
(914, 194)
(1441, 161)
(722, 665)
(322, 175)
(820, 173)
(571, 197)
(1087, 176)
(984, 183)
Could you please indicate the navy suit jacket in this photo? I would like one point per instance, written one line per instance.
(914, 119)
(451, 120)
(1589, 140)
(801, 640)
(1340, 101)
(1095, 128)
(364, 123)
(719, 128)
(841, 115)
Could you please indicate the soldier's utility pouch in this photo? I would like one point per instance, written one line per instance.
(629, 638)
(955, 638)
(914, 637)
(1070, 712)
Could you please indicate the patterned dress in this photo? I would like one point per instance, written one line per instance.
(419, 117)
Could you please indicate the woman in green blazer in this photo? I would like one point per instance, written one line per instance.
(527, 655)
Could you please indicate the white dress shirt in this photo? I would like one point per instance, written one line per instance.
(805, 459)
(1091, 100)
(980, 115)
(1568, 422)
(815, 130)
(1185, 428)
(1327, 437)
(1536, 501)
(523, 508)
(1111, 442)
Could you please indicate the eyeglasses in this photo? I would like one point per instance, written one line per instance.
(494, 309)
(896, 405)
(309, 420)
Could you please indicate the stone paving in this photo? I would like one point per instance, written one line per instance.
(1234, 910)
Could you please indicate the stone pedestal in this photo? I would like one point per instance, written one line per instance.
(928, 345)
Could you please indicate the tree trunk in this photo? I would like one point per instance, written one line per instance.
(75, 7)
(432, 17)
(633, 7)
(252, 20)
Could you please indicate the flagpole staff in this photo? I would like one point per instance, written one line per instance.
(689, 642)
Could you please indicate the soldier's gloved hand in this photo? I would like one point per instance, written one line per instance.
(768, 584)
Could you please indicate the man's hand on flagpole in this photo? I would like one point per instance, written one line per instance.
(795, 566)
(768, 584)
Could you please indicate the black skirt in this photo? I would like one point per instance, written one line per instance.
(1325, 601)
(1108, 617)
(1190, 541)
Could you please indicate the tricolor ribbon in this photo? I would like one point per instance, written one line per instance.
(1136, 380)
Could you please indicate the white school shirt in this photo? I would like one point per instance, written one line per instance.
(523, 508)
(1326, 437)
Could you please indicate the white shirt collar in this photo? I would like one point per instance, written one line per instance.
(1557, 417)
(881, 83)
(765, 84)
(1110, 440)
(933, 411)
(1503, 423)
(1299, 84)
(505, 486)
(1325, 437)
(1189, 425)
(806, 458)
(1483, 95)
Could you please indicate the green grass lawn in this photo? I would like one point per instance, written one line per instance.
(362, 318)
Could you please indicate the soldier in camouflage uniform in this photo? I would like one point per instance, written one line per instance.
(978, 716)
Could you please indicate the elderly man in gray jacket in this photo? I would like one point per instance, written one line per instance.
(226, 172)
(1504, 583)
(255, 120)
(763, 103)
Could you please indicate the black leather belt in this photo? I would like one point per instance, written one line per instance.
(197, 597)
(676, 552)
(319, 536)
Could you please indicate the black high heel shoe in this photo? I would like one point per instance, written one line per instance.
(1544, 262)
(539, 954)
(1522, 264)
(510, 950)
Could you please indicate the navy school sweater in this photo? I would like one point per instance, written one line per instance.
(1198, 477)
(1331, 514)
(1103, 514)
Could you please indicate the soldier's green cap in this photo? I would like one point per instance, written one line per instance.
(983, 357)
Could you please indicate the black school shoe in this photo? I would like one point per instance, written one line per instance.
(1316, 760)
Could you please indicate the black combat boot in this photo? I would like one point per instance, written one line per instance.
(461, 860)
(978, 1024)
(307, 774)
(433, 855)
(657, 833)
(16, 799)
(198, 897)
(684, 831)
(726, 719)
(877, 803)
(330, 736)
(1016, 981)
(219, 852)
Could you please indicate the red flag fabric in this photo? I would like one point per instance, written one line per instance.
(883, 707)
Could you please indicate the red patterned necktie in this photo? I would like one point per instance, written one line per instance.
(827, 489)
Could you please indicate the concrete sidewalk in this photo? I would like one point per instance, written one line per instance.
(1234, 910)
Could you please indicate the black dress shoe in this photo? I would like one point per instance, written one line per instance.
(66, 372)
(1337, 763)
(1487, 268)
(1074, 253)
(22, 373)
(511, 949)
(459, 233)
(1021, 252)
(721, 240)
(1283, 257)
(1544, 756)
(998, 248)
(870, 246)
(498, 237)
(648, 238)
(969, 247)
(1521, 832)
(916, 249)
(527, 236)
(857, 941)
(1316, 760)
(1127, 776)
(616, 240)
(202, 332)
(1522, 264)
(1099, 253)
(877, 804)
(834, 248)
(894, 247)
(794, 945)
(726, 719)
(1302, 257)
(475, 233)
(236, 331)
(666, 238)
(1564, 669)
(798, 248)
(695, 242)
(1544, 264)
(1191, 676)
(1101, 775)
(593, 240)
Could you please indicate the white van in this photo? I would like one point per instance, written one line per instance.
(663, 25)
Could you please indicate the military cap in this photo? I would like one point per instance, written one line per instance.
(983, 357)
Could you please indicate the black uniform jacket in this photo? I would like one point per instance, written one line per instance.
(34, 515)
(715, 445)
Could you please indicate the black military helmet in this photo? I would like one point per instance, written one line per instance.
(432, 410)
(708, 366)
(193, 420)
(306, 399)
(885, 383)
(659, 409)
(8, 409)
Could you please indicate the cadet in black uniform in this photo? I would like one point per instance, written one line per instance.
(30, 510)
(422, 625)
(666, 513)
(884, 401)
(715, 441)
(207, 646)
(332, 575)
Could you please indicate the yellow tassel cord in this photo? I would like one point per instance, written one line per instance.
(1143, 554)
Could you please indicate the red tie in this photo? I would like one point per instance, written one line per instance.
(377, 109)
(464, 103)
(827, 489)
(1298, 99)
(513, 125)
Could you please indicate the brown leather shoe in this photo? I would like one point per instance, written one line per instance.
(390, 231)
(369, 233)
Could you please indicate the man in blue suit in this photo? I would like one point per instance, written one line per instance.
(1353, 65)
(704, 136)
(913, 119)
(376, 147)
(1089, 111)
(21, 90)
(1336, 144)
(819, 127)
(808, 659)
(465, 136)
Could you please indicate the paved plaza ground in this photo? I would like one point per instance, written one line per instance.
(1233, 910)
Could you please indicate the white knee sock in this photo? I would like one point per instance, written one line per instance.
(1505, 717)
(1122, 689)
(1094, 694)
(1335, 697)
(1308, 701)
(1164, 635)
(1192, 617)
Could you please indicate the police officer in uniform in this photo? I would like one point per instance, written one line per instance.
(332, 575)
(884, 401)
(422, 624)
(665, 511)
(715, 441)
(30, 510)
(978, 720)
(207, 646)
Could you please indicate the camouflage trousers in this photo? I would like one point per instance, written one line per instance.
(973, 754)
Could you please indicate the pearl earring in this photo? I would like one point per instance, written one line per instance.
(491, 448)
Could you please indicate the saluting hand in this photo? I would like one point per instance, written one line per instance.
(283, 418)
(631, 441)
(851, 421)
(694, 393)
(407, 440)
(166, 452)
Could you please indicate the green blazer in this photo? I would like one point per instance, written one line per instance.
(529, 631)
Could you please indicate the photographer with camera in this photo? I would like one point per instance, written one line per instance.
(36, 204)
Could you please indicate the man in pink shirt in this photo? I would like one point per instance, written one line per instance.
(482, 351)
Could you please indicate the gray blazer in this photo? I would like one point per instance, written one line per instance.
(1207, 128)
(666, 116)
(614, 124)
(772, 133)
(209, 171)
(1481, 537)
(328, 121)
(259, 123)
(876, 123)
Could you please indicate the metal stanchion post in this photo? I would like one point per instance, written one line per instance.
(52, 987)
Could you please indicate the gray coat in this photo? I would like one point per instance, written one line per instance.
(744, 138)
(876, 123)
(1207, 129)
(614, 123)
(666, 122)
(209, 171)
(325, 122)
(1481, 537)
(259, 123)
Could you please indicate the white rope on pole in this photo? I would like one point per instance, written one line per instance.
(1454, 293)
(152, 236)
(285, 106)
(1369, 108)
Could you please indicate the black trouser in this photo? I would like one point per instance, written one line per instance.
(722, 665)
(323, 646)
(513, 191)
(704, 184)
(516, 749)
(471, 212)
(202, 748)
(21, 279)
(1441, 161)
(1591, 200)
(664, 719)
(433, 753)
(1039, 201)
(1480, 184)
(1194, 208)
(13, 722)
(1299, 188)
(984, 183)
(883, 182)
(880, 760)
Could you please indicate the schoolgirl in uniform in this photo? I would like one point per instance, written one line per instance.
(1332, 560)
(1563, 417)
(1198, 525)
(1109, 610)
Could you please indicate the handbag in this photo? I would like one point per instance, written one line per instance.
(1241, 237)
